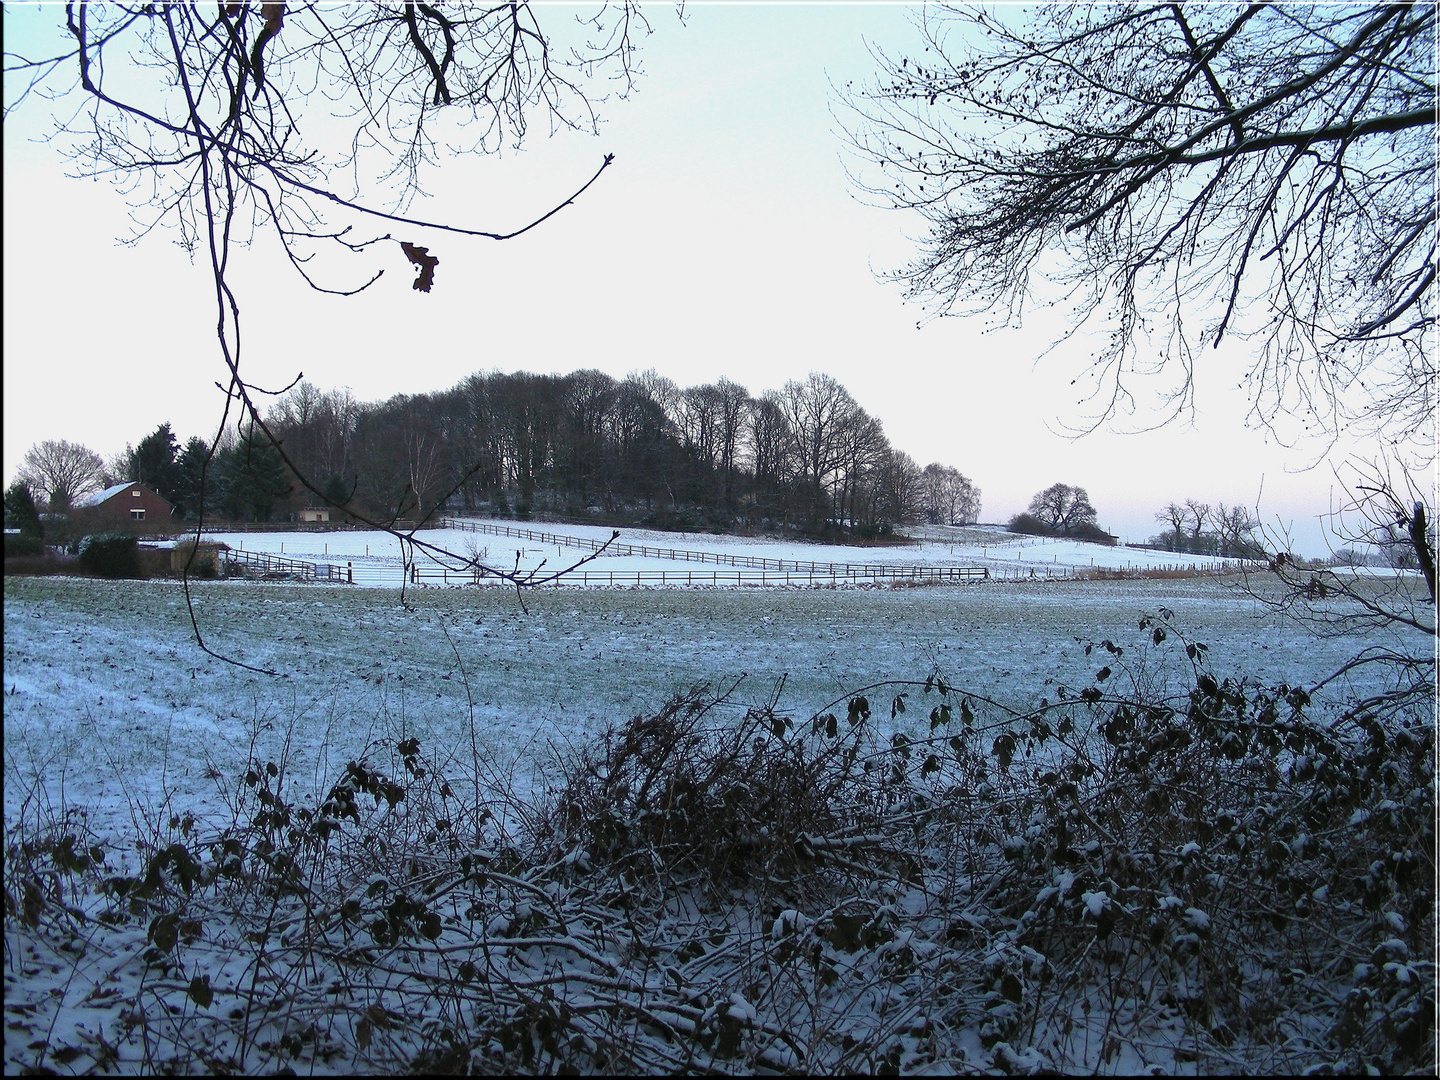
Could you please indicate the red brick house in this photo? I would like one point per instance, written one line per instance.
(130, 503)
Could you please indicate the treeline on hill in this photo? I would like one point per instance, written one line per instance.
(805, 459)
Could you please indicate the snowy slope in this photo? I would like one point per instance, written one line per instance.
(375, 558)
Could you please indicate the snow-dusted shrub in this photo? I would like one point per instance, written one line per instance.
(110, 555)
(690, 792)
(20, 544)
(1224, 861)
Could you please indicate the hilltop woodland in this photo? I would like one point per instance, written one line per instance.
(806, 459)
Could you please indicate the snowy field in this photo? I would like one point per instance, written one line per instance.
(108, 700)
(112, 712)
(375, 557)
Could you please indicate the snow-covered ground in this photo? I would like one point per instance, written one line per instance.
(108, 700)
(112, 710)
(375, 558)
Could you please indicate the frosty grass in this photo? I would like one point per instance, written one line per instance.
(109, 701)
(111, 708)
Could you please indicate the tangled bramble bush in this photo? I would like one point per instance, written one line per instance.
(1227, 859)
(1117, 881)
(684, 796)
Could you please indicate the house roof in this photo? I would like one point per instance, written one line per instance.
(102, 496)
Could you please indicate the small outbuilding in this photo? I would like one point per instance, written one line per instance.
(209, 558)
(128, 503)
(315, 513)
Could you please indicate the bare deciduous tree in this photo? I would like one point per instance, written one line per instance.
(1184, 172)
(1063, 509)
(1174, 515)
(863, 456)
(733, 403)
(1198, 514)
(771, 452)
(900, 491)
(819, 412)
(1235, 528)
(61, 470)
(700, 422)
(949, 496)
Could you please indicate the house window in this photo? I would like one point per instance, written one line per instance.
(138, 513)
(136, 493)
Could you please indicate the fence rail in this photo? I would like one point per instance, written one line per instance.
(744, 570)
(279, 566)
(293, 526)
(426, 575)
(750, 562)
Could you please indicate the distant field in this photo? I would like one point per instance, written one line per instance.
(374, 558)
(107, 696)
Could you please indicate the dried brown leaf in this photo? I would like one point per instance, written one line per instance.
(422, 258)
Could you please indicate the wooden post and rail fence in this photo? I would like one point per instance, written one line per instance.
(743, 570)
(750, 562)
(280, 567)
(420, 575)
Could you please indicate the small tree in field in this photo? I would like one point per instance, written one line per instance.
(1063, 510)
(1172, 515)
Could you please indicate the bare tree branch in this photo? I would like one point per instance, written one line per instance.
(211, 116)
(1180, 174)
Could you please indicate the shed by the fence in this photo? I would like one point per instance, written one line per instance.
(208, 557)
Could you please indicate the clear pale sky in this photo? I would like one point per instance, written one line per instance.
(725, 240)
